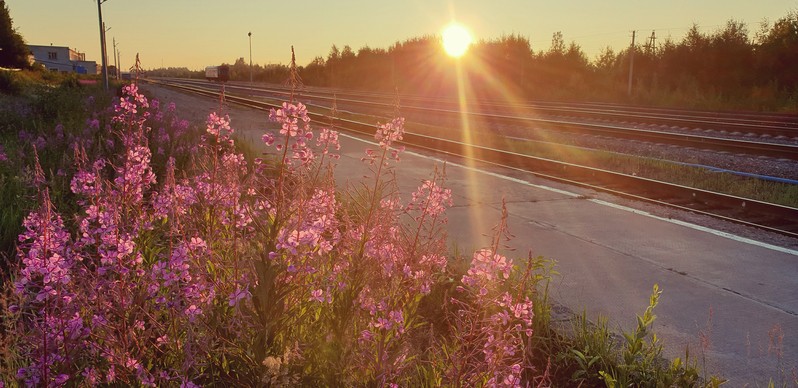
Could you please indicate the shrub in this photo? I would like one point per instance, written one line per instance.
(9, 84)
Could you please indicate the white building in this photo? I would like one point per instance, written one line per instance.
(64, 59)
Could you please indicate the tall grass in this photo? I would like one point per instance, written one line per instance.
(49, 114)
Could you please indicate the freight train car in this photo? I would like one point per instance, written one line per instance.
(217, 73)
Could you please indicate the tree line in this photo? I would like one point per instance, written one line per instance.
(730, 67)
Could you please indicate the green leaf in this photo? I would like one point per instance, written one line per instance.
(578, 354)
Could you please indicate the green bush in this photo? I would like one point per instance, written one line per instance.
(9, 84)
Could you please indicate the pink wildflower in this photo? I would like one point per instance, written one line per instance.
(317, 295)
(328, 140)
(431, 199)
(268, 139)
(219, 126)
(192, 312)
(487, 267)
(391, 132)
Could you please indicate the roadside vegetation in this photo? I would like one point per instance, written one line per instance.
(667, 171)
(154, 252)
(48, 111)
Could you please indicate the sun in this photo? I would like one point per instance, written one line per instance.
(456, 40)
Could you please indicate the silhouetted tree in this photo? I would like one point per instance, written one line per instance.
(561, 67)
(176, 72)
(730, 59)
(13, 50)
(777, 54)
(314, 73)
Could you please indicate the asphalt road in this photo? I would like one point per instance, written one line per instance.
(732, 300)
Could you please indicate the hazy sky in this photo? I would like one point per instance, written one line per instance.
(198, 33)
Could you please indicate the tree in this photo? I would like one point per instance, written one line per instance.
(778, 52)
(13, 50)
(314, 73)
(605, 61)
(731, 45)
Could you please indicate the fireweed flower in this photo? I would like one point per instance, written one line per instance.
(241, 293)
(293, 119)
(314, 228)
(317, 295)
(46, 258)
(219, 126)
(268, 139)
(136, 175)
(431, 199)
(508, 323)
(94, 123)
(40, 143)
(90, 331)
(487, 267)
(328, 140)
(371, 157)
(389, 133)
(295, 129)
(178, 282)
(45, 287)
(85, 182)
(129, 104)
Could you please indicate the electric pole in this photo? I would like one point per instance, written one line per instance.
(652, 42)
(102, 43)
(631, 63)
(116, 65)
(250, 57)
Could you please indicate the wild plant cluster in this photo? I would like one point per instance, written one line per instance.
(192, 265)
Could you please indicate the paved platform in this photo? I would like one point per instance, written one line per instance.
(732, 292)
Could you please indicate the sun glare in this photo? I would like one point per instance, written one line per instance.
(456, 40)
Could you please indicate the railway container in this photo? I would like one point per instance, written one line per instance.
(217, 73)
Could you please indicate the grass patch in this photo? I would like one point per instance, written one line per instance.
(700, 178)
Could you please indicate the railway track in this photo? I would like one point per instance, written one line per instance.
(753, 133)
(776, 218)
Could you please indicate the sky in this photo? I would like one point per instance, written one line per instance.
(199, 33)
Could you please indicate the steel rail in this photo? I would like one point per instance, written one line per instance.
(736, 146)
(752, 118)
(767, 216)
(772, 124)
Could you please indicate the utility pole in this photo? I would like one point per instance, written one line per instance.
(102, 43)
(652, 42)
(250, 57)
(105, 51)
(116, 65)
(631, 63)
